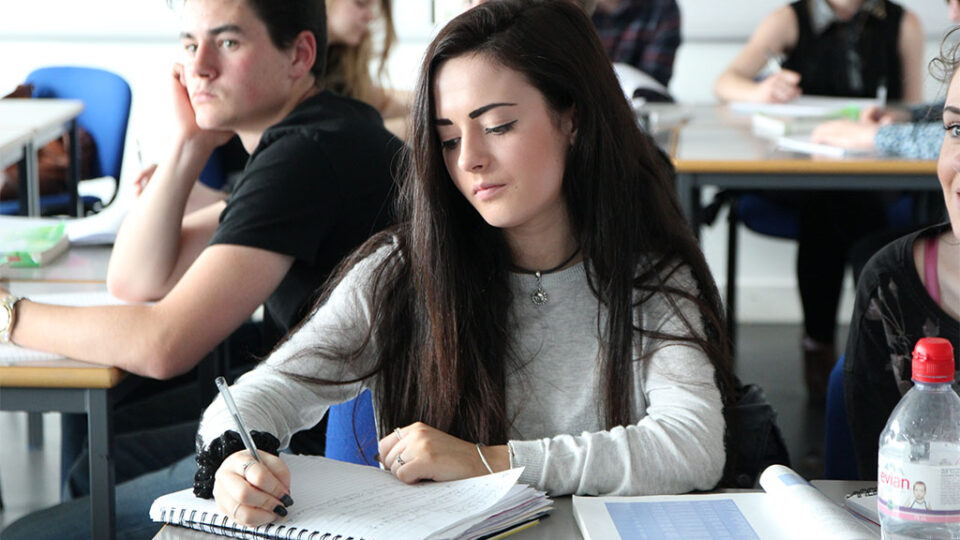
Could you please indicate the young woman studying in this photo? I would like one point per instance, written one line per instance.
(829, 47)
(837, 48)
(910, 289)
(542, 303)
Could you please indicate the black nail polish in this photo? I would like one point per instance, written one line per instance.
(286, 500)
(280, 511)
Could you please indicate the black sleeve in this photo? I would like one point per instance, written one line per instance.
(286, 202)
(870, 389)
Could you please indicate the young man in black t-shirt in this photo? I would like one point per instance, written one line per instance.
(318, 183)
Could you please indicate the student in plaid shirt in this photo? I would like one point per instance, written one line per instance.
(642, 33)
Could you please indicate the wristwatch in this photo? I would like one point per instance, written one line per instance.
(8, 305)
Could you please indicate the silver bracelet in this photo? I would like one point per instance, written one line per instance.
(483, 459)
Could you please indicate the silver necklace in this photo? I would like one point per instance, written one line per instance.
(539, 297)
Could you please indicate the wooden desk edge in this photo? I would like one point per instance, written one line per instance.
(58, 377)
(805, 166)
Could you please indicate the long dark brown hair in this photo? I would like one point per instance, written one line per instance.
(440, 300)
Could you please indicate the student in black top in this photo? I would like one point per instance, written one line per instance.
(909, 290)
(317, 185)
(893, 311)
(838, 48)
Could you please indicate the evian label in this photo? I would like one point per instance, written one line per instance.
(918, 492)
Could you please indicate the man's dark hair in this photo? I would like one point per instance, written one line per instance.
(285, 19)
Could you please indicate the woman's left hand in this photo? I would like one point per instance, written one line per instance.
(421, 452)
(846, 134)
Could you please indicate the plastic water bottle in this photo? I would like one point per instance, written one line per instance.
(918, 474)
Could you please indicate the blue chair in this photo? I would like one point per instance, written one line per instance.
(350, 428)
(106, 111)
(839, 462)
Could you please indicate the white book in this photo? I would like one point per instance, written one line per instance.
(863, 503)
(789, 509)
(359, 501)
(803, 145)
(808, 106)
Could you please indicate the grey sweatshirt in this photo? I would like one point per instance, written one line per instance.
(673, 444)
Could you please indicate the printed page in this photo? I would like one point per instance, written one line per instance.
(724, 516)
(807, 513)
(361, 501)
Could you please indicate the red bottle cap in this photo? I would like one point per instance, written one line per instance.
(933, 361)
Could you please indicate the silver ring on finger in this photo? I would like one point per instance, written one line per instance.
(243, 470)
(396, 431)
(400, 461)
(234, 513)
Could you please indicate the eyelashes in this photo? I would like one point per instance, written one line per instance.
(450, 144)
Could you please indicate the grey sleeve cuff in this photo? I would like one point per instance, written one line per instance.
(916, 141)
(529, 455)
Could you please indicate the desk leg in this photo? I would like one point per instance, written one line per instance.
(73, 171)
(29, 174)
(102, 498)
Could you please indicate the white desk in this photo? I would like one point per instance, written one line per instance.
(559, 526)
(42, 120)
(717, 147)
(65, 385)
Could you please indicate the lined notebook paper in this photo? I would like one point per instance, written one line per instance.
(337, 498)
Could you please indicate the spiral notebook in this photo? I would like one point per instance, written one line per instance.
(863, 502)
(336, 498)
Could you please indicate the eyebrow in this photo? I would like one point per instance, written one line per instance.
(474, 113)
(224, 28)
(952, 109)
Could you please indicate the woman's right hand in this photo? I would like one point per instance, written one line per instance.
(252, 493)
(780, 87)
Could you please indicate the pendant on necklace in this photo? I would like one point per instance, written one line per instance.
(539, 297)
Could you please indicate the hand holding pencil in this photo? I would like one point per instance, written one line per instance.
(251, 487)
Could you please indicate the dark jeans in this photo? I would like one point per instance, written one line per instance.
(71, 520)
(831, 222)
(155, 425)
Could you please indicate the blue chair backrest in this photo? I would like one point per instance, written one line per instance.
(839, 462)
(350, 427)
(106, 108)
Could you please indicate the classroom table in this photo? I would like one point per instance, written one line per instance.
(42, 120)
(65, 385)
(559, 526)
(717, 147)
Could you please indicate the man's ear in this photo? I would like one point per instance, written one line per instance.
(304, 53)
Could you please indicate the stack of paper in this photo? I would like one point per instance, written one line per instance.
(337, 498)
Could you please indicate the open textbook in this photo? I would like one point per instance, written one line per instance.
(789, 509)
(345, 500)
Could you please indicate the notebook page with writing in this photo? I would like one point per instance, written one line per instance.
(352, 500)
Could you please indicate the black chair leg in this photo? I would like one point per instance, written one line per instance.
(733, 224)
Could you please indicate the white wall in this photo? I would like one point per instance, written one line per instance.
(137, 39)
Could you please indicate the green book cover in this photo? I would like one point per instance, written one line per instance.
(33, 245)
